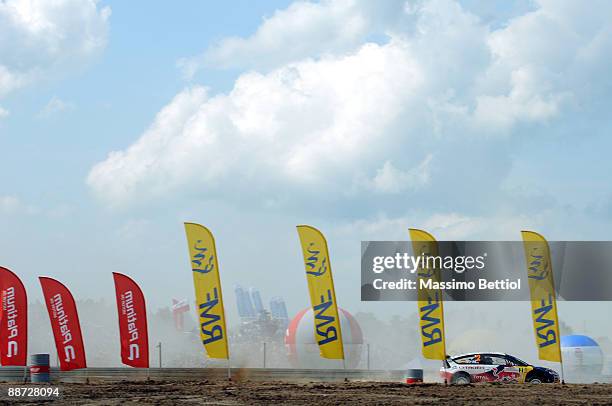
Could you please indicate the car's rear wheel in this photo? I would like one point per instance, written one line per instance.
(460, 378)
(535, 380)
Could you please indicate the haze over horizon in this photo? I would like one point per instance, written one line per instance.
(470, 119)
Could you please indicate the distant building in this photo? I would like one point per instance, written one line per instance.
(257, 303)
(258, 323)
(245, 305)
(278, 310)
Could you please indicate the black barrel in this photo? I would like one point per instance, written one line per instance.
(39, 368)
(413, 376)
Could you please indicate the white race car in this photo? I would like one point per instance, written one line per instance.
(493, 367)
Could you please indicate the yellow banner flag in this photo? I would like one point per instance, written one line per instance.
(543, 298)
(209, 298)
(430, 305)
(327, 332)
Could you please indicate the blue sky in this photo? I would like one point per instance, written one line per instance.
(115, 93)
(473, 120)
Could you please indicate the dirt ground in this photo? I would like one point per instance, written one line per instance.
(359, 393)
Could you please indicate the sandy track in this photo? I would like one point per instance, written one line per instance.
(247, 392)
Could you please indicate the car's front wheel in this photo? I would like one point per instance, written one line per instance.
(534, 379)
(460, 378)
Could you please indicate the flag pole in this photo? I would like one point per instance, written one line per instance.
(561, 361)
(562, 374)
(554, 287)
(444, 363)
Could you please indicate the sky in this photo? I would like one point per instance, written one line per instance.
(472, 119)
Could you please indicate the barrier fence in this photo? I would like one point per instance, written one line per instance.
(16, 374)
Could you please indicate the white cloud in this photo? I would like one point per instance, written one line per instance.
(541, 57)
(55, 106)
(3, 112)
(10, 80)
(40, 38)
(13, 205)
(9, 204)
(373, 115)
(304, 29)
(296, 123)
(389, 179)
(445, 226)
(294, 33)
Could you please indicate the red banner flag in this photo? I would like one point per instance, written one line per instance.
(132, 322)
(65, 324)
(13, 320)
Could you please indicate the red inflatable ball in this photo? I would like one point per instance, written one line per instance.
(303, 351)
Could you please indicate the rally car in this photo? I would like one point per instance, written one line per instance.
(493, 367)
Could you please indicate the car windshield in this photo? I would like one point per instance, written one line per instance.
(468, 359)
(516, 361)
